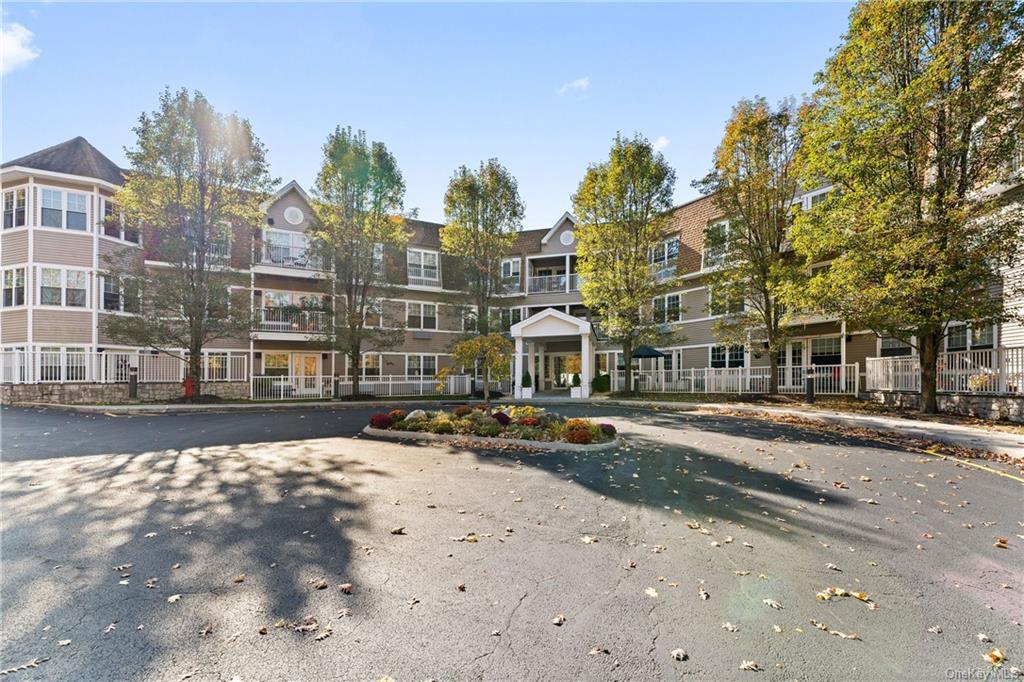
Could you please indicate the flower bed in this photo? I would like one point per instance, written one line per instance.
(513, 422)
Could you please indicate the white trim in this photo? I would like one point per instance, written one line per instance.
(287, 187)
(582, 326)
(62, 176)
(558, 223)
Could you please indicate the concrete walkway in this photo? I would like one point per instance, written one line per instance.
(977, 438)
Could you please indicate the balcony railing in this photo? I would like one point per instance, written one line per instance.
(548, 284)
(574, 282)
(291, 320)
(510, 285)
(663, 271)
(714, 257)
(288, 257)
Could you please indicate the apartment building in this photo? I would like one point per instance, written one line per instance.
(56, 233)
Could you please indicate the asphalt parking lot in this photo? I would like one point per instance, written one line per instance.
(260, 546)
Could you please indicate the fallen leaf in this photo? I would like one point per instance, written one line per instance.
(679, 655)
(324, 635)
(772, 603)
(995, 657)
(318, 583)
(730, 627)
(598, 650)
(173, 598)
(558, 620)
(240, 578)
(400, 530)
(346, 588)
(751, 666)
(1001, 543)
(651, 592)
(63, 642)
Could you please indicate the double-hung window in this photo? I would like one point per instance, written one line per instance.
(827, 351)
(14, 287)
(120, 296)
(423, 267)
(421, 315)
(956, 337)
(716, 245)
(421, 365)
(891, 347)
(63, 287)
(113, 224)
(370, 364)
(727, 356)
(63, 209)
(14, 208)
(378, 258)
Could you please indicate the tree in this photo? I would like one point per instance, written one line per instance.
(620, 206)
(483, 213)
(754, 182)
(357, 205)
(489, 352)
(913, 117)
(195, 174)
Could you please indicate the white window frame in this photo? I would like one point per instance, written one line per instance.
(711, 306)
(120, 309)
(704, 263)
(419, 357)
(14, 279)
(105, 203)
(421, 265)
(515, 268)
(13, 195)
(422, 306)
(730, 355)
(63, 287)
(64, 208)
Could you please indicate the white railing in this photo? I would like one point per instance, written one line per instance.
(112, 367)
(548, 284)
(663, 271)
(574, 282)
(302, 258)
(291, 320)
(503, 385)
(394, 385)
(299, 387)
(991, 371)
(829, 380)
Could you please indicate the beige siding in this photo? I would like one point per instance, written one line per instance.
(694, 357)
(13, 326)
(14, 247)
(860, 348)
(695, 304)
(696, 333)
(61, 326)
(62, 248)
(290, 199)
(112, 248)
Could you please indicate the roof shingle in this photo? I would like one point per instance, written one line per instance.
(74, 157)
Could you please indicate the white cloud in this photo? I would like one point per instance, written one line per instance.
(661, 143)
(16, 50)
(579, 84)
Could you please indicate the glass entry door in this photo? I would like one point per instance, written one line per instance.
(791, 367)
(307, 372)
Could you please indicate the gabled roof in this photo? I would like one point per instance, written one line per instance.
(74, 157)
(558, 223)
(293, 185)
(562, 322)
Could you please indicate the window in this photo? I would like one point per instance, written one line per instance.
(891, 347)
(826, 351)
(14, 287)
(120, 296)
(76, 211)
(511, 267)
(727, 356)
(673, 309)
(509, 317)
(378, 258)
(421, 315)
(113, 224)
(818, 198)
(50, 286)
(421, 365)
(982, 338)
(275, 364)
(665, 253)
(422, 267)
(52, 207)
(371, 364)
(956, 337)
(14, 208)
(716, 245)
(659, 309)
(76, 282)
(63, 287)
(720, 305)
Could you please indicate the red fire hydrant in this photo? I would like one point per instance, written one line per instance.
(189, 385)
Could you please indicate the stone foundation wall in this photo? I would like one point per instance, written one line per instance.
(1008, 408)
(112, 394)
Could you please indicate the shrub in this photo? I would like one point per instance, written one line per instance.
(526, 432)
(462, 410)
(602, 383)
(575, 379)
(441, 426)
(608, 429)
(579, 436)
(381, 421)
(397, 415)
(518, 411)
(489, 430)
(501, 418)
(401, 425)
(527, 382)
(576, 424)
(528, 421)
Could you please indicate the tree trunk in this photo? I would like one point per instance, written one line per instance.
(773, 373)
(627, 367)
(487, 390)
(929, 355)
(195, 369)
(483, 322)
(354, 363)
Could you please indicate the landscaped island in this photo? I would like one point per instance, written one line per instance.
(512, 422)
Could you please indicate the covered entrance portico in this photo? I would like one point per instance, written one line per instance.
(549, 327)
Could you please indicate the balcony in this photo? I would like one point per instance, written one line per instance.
(574, 282)
(663, 271)
(548, 284)
(292, 320)
(510, 286)
(423, 276)
(288, 257)
(714, 257)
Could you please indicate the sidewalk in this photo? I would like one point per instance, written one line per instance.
(999, 442)
(988, 440)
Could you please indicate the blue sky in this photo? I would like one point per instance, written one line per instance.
(543, 88)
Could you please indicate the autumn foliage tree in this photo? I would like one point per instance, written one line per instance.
(754, 182)
(914, 116)
(620, 207)
(490, 353)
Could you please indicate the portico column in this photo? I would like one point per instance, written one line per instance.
(586, 362)
(532, 349)
(517, 377)
(540, 365)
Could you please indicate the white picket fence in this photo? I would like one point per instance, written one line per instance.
(992, 371)
(387, 386)
(828, 380)
(113, 367)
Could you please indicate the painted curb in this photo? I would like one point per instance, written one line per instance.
(484, 441)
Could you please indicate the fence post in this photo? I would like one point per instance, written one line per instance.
(809, 378)
(1003, 374)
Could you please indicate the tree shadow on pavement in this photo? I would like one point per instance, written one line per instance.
(234, 530)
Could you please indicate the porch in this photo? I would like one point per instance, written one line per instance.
(547, 346)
